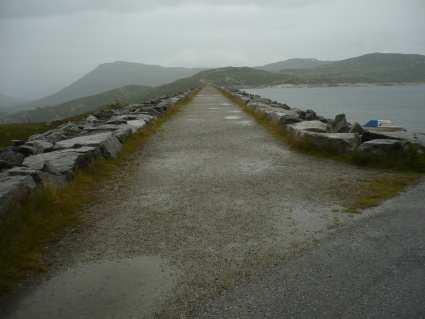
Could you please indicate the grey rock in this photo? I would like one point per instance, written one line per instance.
(340, 124)
(62, 162)
(123, 133)
(357, 128)
(338, 143)
(106, 142)
(40, 177)
(40, 146)
(11, 156)
(310, 115)
(136, 125)
(92, 119)
(288, 117)
(4, 165)
(14, 189)
(27, 150)
(382, 147)
(311, 126)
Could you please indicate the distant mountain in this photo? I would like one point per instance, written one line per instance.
(124, 95)
(242, 76)
(114, 75)
(370, 68)
(292, 64)
(7, 103)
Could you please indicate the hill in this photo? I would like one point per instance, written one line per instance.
(369, 68)
(7, 103)
(124, 95)
(292, 64)
(114, 75)
(242, 76)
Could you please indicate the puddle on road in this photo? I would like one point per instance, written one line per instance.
(232, 117)
(128, 288)
(245, 122)
(213, 108)
(235, 111)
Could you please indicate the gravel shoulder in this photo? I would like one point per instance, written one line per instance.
(207, 204)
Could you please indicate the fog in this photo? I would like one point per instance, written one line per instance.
(45, 45)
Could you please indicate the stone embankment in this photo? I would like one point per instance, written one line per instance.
(336, 136)
(54, 156)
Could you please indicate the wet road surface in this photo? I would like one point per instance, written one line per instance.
(208, 204)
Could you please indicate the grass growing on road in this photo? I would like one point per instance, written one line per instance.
(33, 225)
(373, 192)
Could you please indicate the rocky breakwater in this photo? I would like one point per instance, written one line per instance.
(338, 136)
(54, 156)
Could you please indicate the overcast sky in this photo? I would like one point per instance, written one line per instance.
(47, 44)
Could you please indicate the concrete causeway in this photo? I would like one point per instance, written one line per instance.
(209, 203)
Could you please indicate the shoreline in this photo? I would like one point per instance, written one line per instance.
(341, 84)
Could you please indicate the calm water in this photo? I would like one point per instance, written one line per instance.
(404, 105)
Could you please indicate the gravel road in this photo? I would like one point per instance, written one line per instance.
(208, 204)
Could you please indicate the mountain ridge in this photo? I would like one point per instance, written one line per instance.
(112, 75)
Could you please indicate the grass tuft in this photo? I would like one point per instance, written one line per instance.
(30, 227)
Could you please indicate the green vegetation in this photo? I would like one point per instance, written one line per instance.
(292, 64)
(110, 76)
(9, 132)
(373, 192)
(369, 68)
(32, 225)
(122, 96)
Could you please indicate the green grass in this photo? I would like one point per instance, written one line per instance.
(21, 131)
(45, 216)
(373, 192)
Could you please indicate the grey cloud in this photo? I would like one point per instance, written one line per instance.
(46, 44)
(40, 8)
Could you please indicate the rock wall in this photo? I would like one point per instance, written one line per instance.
(337, 136)
(54, 156)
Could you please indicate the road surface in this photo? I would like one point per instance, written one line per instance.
(213, 202)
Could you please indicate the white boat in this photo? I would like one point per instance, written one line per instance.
(383, 125)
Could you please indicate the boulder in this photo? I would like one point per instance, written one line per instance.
(381, 147)
(123, 133)
(11, 157)
(27, 150)
(14, 189)
(40, 146)
(136, 125)
(62, 162)
(310, 115)
(339, 143)
(91, 119)
(40, 177)
(311, 126)
(357, 128)
(340, 124)
(106, 142)
(4, 165)
(288, 117)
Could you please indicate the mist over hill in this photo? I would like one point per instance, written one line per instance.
(114, 75)
(369, 68)
(7, 103)
(123, 95)
(292, 64)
